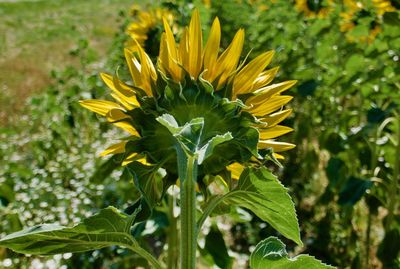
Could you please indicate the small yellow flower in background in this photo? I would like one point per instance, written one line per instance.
(191, 81)
(383, 6)
(145, 22)
(315, 8)
(353, 12)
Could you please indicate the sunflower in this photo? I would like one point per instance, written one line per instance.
(315, 8)
(383, 6)
(147, 26)
(356, 12)
(235, 100)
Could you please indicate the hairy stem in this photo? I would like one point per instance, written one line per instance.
(188, 177)
(172, 236)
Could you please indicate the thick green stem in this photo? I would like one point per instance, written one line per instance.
(188, 176)
(172, 236)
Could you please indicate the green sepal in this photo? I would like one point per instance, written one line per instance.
(149, 181)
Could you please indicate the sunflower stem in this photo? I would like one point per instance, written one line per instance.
(187, 166)
(172, 262)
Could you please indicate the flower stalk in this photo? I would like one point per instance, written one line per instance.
(172, 235)
(188, 174)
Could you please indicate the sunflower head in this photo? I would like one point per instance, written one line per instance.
(146, 27)
(383, 6)
(315, 8)
(194, 92)
(356, 14)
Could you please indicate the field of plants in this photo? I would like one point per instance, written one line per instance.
(200, 134)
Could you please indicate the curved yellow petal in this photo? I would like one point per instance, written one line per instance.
(101, 107)
(125, 104)
(278, 156)
(263, 94)
(114, 149)
(265, 78)
(115, 115)
(236, 170)
(269, 106)
(123, 91)
(133, 66)
(131, 158)
(212, 48)
(278, 130)
(147, 71)
(275, 118)
(134, 157)
(243, 82)
(228, 60)
(127, 127)
(276, 146)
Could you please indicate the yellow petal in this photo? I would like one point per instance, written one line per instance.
(236, 170)
(271, 105)
(265, 78)
(195, 45)
(212, 47)
(127, 127)
(101, 107)
(134, 157)
(274, 132)
(276, 146)
(229, 59)
(147, 71)
(243, 82)
(123, 91)
(278, 156)
(130, 159)
(267, 92)
(122, 101)
(174, 68)
(275, 118)
(134, 69)
(114, 149)
(184, 49)
(115, 115)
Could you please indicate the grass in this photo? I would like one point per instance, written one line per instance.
(37, 37)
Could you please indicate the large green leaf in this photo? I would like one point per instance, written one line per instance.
(107, 228)
(271, 253)
(261, 192)
(215, 245)
(149, 181)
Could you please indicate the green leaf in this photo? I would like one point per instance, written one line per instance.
(389, 248)
(149, 181)
(107, 228)
(354, 64)
(261, 192)
(208, 148)
(215, 245)
(271, 253)
(354, 190)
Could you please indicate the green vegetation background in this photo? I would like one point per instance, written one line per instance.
(342, 175)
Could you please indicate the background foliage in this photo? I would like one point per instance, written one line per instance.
(343, 174)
